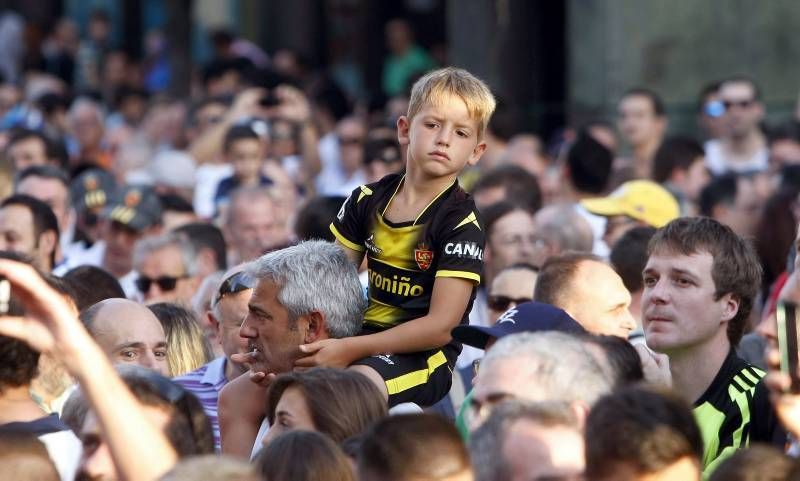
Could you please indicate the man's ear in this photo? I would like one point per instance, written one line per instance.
(216, 326)
(731, 306)
(315, 328)
(206, 261)
(403, 130)
(47, 241)
(581, 410)
(213, 321)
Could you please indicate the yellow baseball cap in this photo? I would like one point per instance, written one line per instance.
(643, 200)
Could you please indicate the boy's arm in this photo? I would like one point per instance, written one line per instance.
(355, 256)
(449, 301)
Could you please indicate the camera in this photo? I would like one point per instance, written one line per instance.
(269, 100)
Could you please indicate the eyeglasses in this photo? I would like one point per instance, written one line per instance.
(502, 303)
(241, 281)
(742, 104)
(165, 283)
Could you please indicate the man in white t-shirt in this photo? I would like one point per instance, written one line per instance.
(743, 146)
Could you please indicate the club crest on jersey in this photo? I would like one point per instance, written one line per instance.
(423, 256)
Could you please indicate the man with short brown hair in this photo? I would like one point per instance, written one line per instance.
(699, 284)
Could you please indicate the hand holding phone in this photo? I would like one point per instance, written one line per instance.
(787, 342)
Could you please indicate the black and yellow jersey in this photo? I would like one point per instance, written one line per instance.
(735, 411)
(445, 240)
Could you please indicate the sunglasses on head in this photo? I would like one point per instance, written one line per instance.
(241, 281)
(165, 283)
(502, 303)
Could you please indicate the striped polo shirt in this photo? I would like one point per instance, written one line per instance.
(205, 383)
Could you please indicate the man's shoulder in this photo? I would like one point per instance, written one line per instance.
(211, 373)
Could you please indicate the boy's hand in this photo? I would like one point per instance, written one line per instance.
(328, 353)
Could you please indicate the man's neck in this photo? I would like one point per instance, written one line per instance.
(694, 369)
(16, 405)
(745, 146)
(233, 370)
(643, 156)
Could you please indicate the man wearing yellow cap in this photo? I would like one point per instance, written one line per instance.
(634, 203)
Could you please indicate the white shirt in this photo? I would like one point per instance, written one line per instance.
(718, 164)
(598, 224)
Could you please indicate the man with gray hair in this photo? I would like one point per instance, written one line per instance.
(253, 224)
(522, 441)
(167, 269)
(560, 228)
(536, 367)
(304, 293)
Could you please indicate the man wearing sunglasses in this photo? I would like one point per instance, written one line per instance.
(167, 268)
(228, 310)
(742, 146)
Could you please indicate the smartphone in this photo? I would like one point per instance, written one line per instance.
(787, 342)
(270, 100)
(5, 295)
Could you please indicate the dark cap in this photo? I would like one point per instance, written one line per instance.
(92, 190)
(135, 206)
(526, 317)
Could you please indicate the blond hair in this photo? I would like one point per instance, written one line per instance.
(187, 346)
(435, 87)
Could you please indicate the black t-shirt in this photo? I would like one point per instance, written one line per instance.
(404, 260)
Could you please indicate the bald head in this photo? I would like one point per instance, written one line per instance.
(128, 333)
(589, 290)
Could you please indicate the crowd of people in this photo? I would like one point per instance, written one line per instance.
(272, 280)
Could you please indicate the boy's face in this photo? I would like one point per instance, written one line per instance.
(441, 139)
(246, 157)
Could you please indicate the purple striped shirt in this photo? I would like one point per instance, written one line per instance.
(205, 383)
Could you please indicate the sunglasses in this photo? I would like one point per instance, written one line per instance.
(165, 283)
(742, 104)
(241, 281)
(502, 303)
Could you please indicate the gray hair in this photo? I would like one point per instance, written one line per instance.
(562, 224)
(565, 370)
(245, 196)
(148, 245)
(316, 275)
(84, 103)
(487, 443)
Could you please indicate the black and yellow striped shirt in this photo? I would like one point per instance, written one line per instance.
(735, 411)
(445, 240)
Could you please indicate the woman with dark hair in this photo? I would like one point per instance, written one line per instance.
(322, 459)
(336, 402)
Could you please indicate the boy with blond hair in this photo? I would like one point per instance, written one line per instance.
(424, 241)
